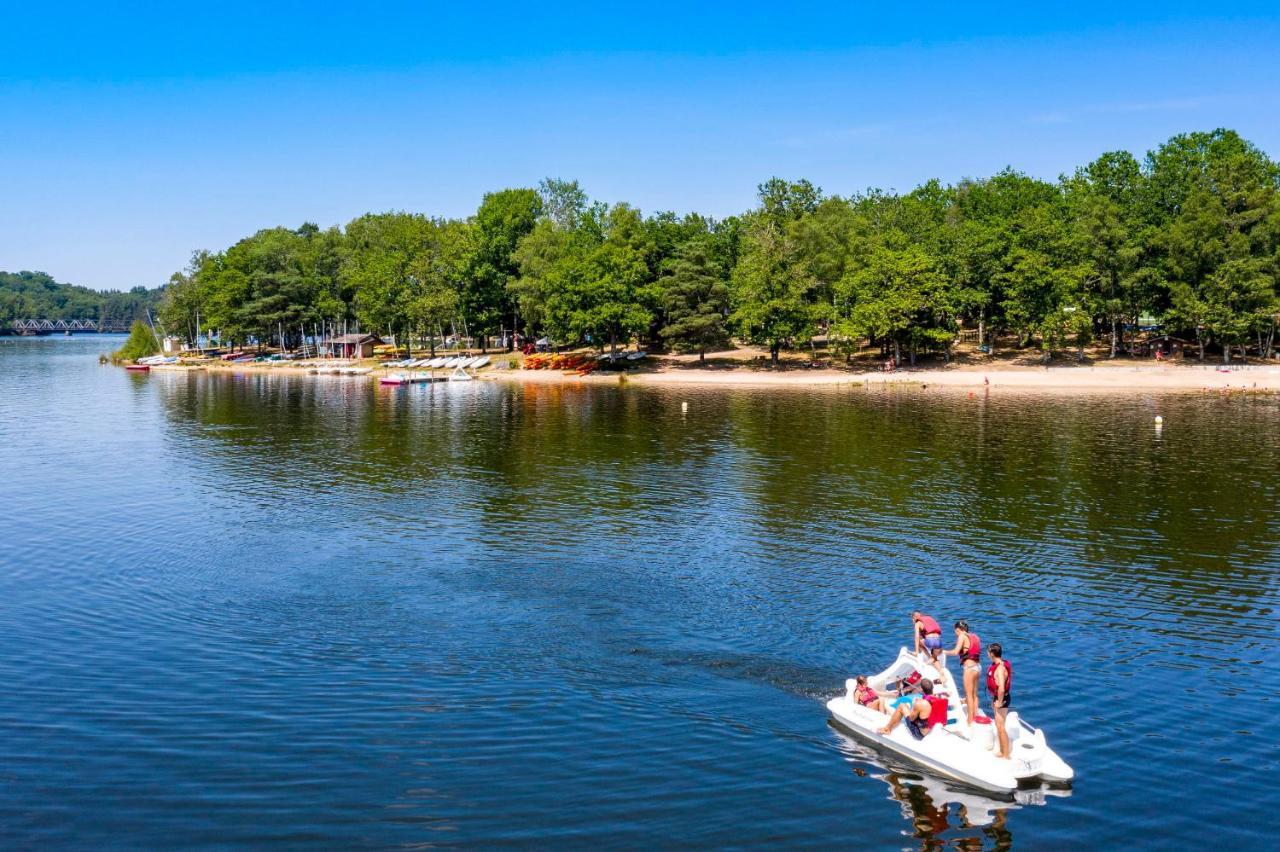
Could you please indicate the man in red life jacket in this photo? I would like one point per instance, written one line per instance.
(1000, 684)
(922, 714)
(928, 636)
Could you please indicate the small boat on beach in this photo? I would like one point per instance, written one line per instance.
(405, 379)
(955, 749)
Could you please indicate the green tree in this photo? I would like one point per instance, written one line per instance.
(384, 253)
(504, 218)
(771, 289)
(1104, 199)
(597, 287)
(142, 343)
(697, 300)
(896, 295)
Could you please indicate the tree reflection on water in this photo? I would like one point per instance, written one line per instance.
(941, 813)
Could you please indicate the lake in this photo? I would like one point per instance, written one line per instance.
(313, 612)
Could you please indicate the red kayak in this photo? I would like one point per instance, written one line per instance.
(139, 368)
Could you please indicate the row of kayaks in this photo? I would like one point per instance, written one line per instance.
(143, 365)
(466, 362)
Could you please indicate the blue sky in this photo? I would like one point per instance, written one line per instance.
(133, 134)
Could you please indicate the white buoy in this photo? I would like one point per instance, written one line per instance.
(684, 407)
(1159, 419)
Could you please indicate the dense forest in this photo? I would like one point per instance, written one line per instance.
(1187, 237)
(35, 295)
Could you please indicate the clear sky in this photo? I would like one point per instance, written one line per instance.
(133, 133)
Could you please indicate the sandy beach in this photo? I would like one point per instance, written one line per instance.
(1115, 378)
(1119, 377)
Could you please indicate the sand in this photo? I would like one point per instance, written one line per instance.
(1118, 378)
(1123, 376)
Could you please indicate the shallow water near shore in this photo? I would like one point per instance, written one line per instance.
(314, 612)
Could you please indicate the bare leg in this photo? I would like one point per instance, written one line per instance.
(893, 721)
(1001, 733)
(970, 692)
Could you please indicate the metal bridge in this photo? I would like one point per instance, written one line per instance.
(75, 326)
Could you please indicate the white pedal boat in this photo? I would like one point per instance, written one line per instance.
(953, 751)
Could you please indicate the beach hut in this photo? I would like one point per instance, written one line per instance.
(350, 346)
(1167, 345)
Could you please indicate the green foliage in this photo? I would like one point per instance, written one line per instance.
(142, 343)
(896, 295)
(504, 218)
(35, 295)
(696, 300)
(1189, 234)
(772, 287)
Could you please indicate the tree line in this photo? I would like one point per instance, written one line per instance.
(1189, 236)
(35, 295)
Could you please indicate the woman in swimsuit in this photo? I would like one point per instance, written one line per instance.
(969, 649)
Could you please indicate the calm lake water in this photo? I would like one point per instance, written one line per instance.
(311, 612)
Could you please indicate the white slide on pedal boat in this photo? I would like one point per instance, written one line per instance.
(956, 751)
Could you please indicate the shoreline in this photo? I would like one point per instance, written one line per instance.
(1118, 378)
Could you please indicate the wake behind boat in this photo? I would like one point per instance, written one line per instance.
(954, 748)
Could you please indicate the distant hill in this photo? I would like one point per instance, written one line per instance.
(35, 295)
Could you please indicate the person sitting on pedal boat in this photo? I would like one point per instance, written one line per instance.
(969, 649)
(999, 684)
(904, 689)
(922, 714)
(928, 636)
(866, 696)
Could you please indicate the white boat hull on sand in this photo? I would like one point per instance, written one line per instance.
(950, 751)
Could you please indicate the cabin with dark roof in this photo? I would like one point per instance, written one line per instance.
(350, 346)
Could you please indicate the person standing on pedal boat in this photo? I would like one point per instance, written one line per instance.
(999, 684)
(969, 649)
(928, 636)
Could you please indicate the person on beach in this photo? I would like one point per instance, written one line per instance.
(919, 714)
(928, 636)
(969, 649)
(999, 684)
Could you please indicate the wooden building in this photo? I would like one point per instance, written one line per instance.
(350, 346)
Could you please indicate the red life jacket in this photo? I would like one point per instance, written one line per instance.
(992, 686)
(974, 651)
(868, 694)
(928, 625)
(937, 710)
